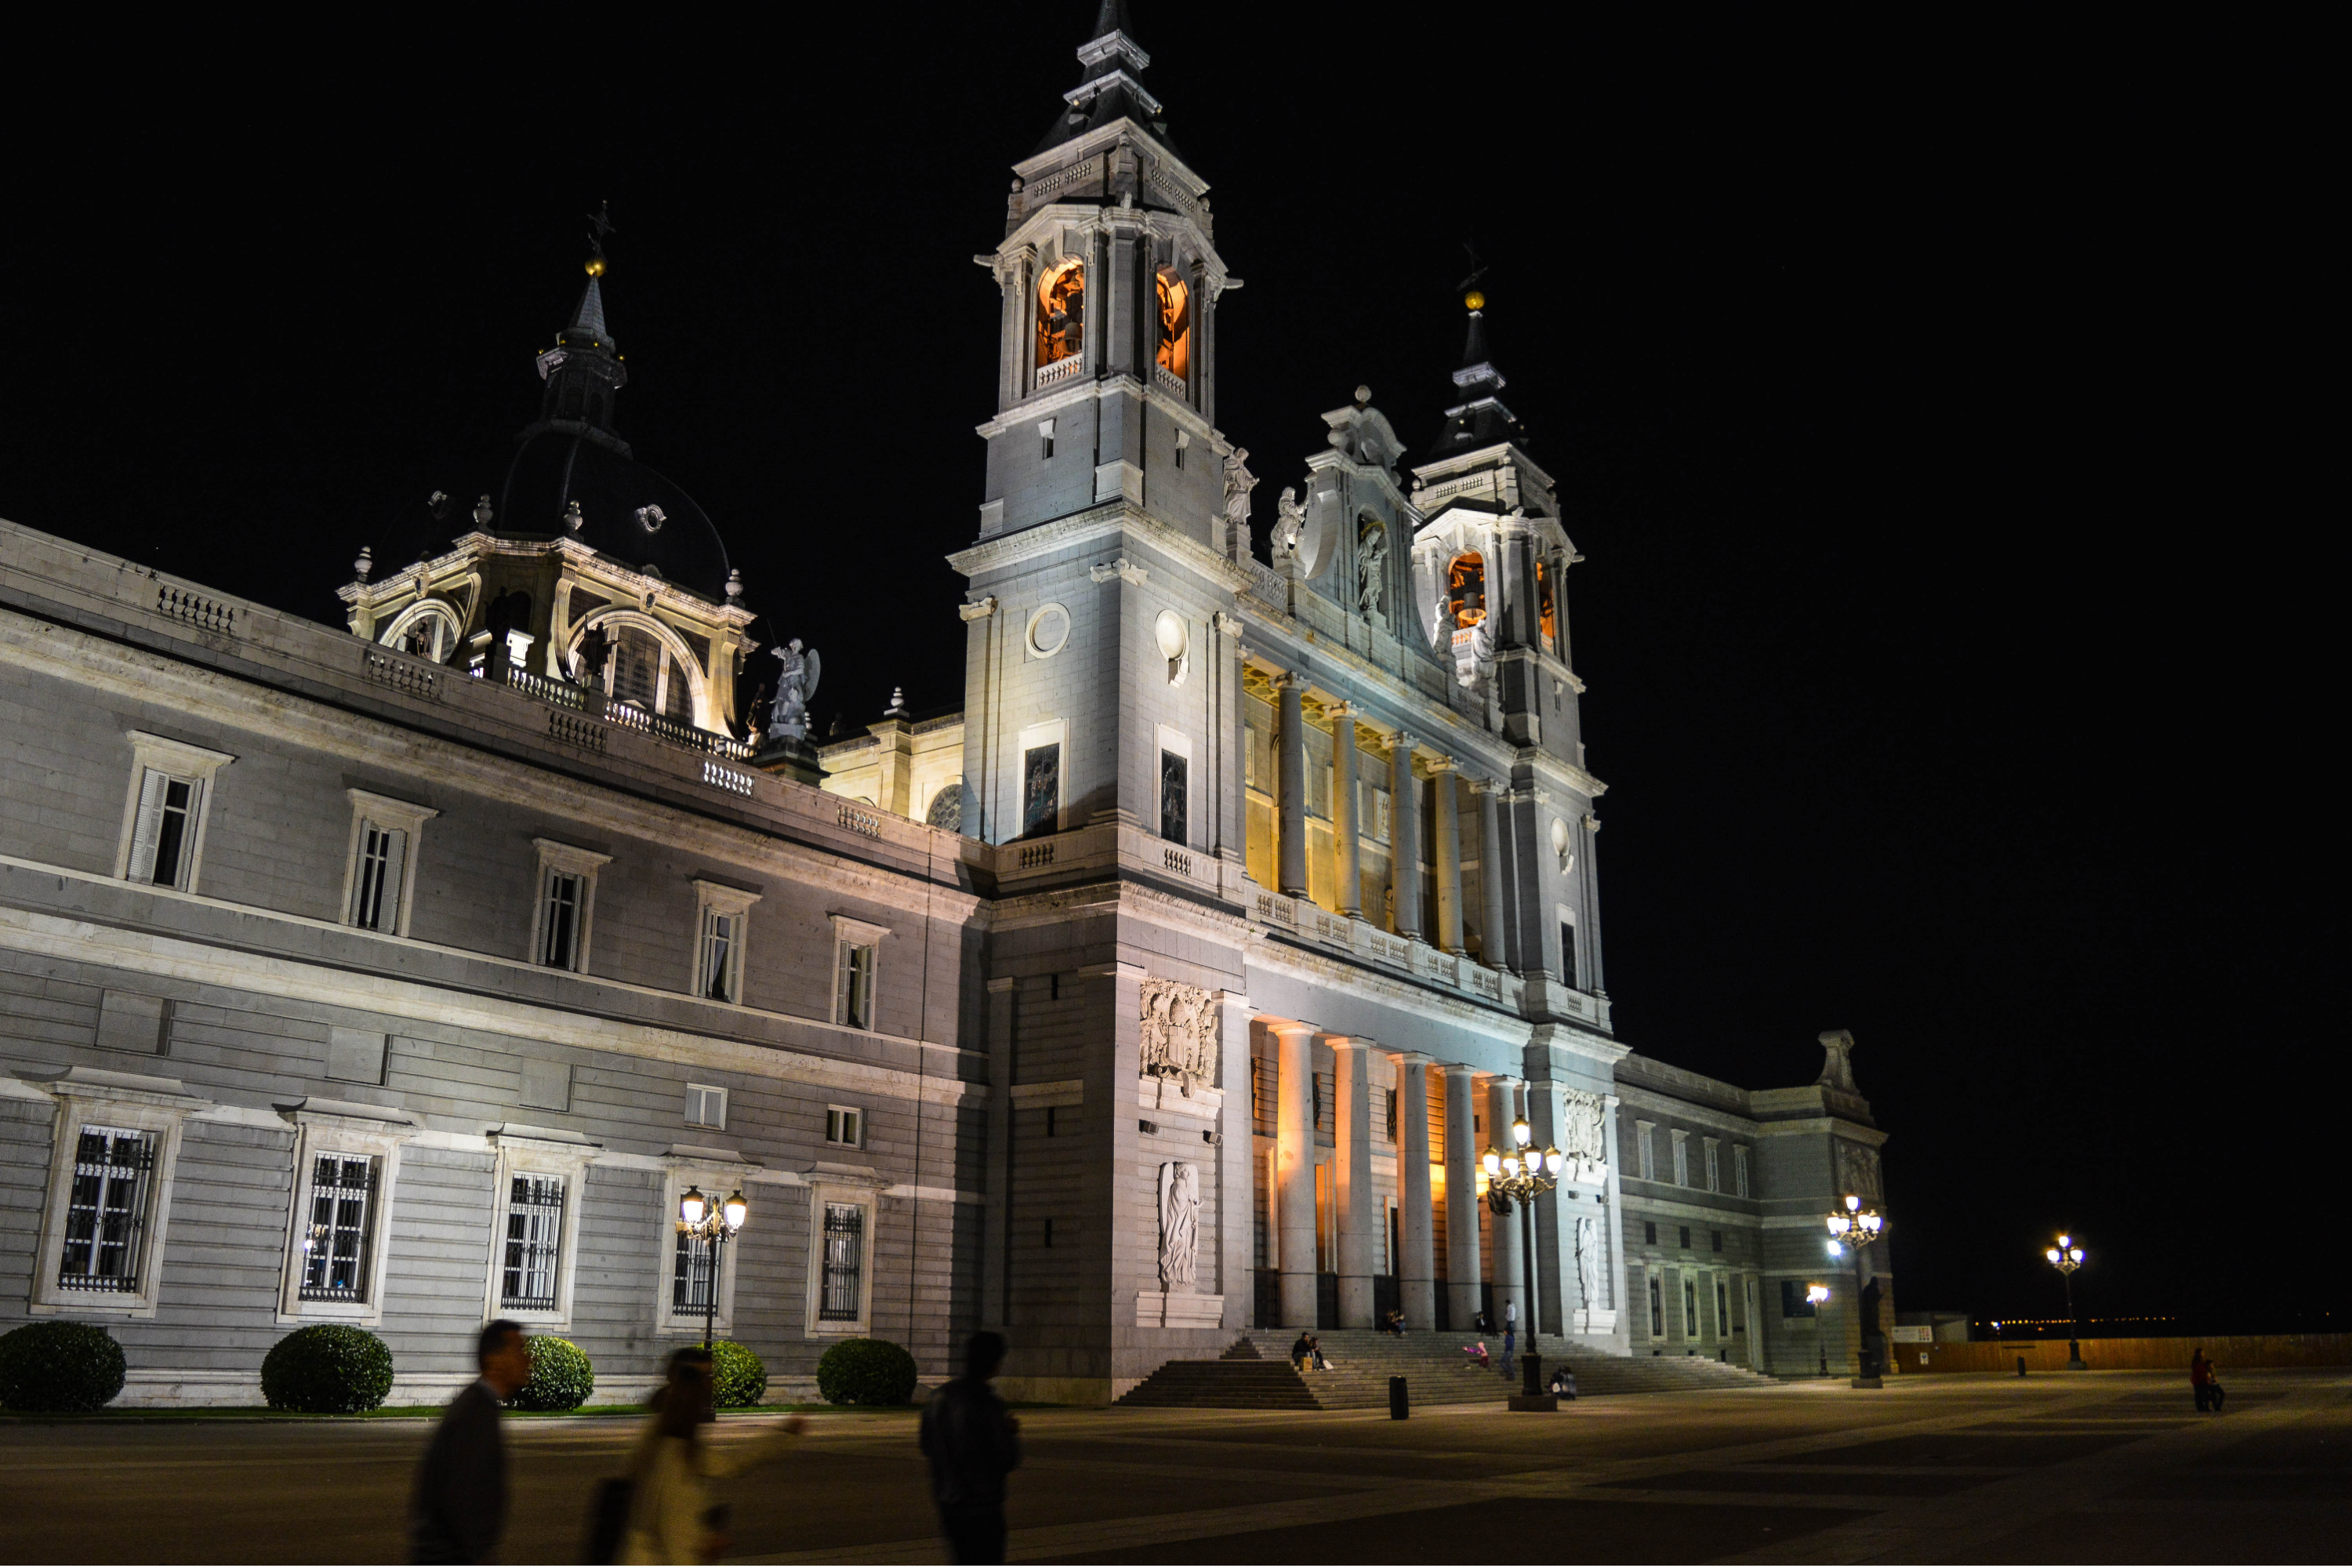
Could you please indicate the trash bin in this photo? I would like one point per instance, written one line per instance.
(1398, 1407)
(2021, 1366)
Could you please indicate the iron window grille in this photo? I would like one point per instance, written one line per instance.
(335, 1248)
(693, 1286)
(1690, 1309)
(845, 1263)
(106, 1214)
(534, 1243)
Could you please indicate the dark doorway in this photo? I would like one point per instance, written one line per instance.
(1266, 1285)
(1326, 1300)
(1388, 1296)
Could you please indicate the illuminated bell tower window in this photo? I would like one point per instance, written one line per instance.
(1061, 314)
(1465, 589)
(1544, 607)
(1175, 354)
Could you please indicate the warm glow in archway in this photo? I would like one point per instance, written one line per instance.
(1175, 323)
(1061, 314)
(1544, 605)
(1465, 588)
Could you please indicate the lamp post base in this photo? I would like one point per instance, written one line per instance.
(1535, 1402)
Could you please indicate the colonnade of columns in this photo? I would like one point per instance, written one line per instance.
(1360, 1209)
(1404, 829)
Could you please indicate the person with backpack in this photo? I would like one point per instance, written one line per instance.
(972, 1443)
(662, 1512)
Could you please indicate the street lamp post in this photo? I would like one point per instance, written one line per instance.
(1522, 1175)
(2066, 1258)
(714, 1225)
(1854, 1227)
(1814, 1296)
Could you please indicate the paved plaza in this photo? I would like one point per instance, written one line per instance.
(2100, 1467)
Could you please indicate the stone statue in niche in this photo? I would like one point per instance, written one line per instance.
(1837, 1060)
(1857, 1171)
(1371, 569)
(795, 684)
(1180, 1224)
(1289, 523)
(1179, 1034)
(1239, 482)
(1588, 1258)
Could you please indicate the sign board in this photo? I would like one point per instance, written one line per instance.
(1914, 1334)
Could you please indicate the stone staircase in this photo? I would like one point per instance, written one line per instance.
(1255, 1373)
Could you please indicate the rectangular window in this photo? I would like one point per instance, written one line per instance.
(165, 831)
(1722, 1311)
(1657, 1307)
(1393, 1116)
(384, 861)
(335, 1244)
(1714, 1166)
(1716, 1237)
(845, 1263)
(1175, 796)
(1690, 1307)
(1568, 969)
(855, 996)
(1793, 1299)
(566, 901)
(1682, 1238)
(106, 1214)
(1050, 1119)
(1682, 1160)
(1327, 1101)
(1649, 1150)
(534, 1244)
(1266, 1103)
(846, 1127)
(718, 970)
(692, 1284)
(706, 1106)
(1650, 1232)
(1739, 1168)
(1049, 1230)
(1041, 789)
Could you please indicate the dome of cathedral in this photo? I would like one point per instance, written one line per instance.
(627, 512)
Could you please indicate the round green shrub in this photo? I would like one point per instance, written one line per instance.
(59, 1366)
(561, 1376)
(738, 1375)
(866, 1372)
(327, 1369)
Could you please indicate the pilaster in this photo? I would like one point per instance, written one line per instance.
(1404, 836)
(1359, 1206)
(1290, 837)
(1448, 830)
(1347, 869)
(1417, 1270)
(1236, 1145)
(1294, 1164)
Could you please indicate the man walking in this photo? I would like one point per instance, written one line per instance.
(973, 1444)
(1510, 1334)
(459, 1509)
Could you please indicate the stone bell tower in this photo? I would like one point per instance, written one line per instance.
(1104, 430)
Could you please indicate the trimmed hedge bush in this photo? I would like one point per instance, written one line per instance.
(561, 1376)
(327, 1369)
(866, 1372)
(738, 1375)
(59, 1366)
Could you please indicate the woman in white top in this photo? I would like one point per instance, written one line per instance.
(670, 1512)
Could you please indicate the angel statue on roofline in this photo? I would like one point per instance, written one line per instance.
(795, 684)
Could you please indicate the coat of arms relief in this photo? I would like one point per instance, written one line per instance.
(1179, 1034)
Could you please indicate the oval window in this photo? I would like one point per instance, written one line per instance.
(1049, 628)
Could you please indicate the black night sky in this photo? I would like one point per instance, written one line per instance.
(1952, 611)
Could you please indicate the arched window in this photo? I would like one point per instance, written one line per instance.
(1175, 324)
(1545, 607)
(1061, 314)
(1465, 588)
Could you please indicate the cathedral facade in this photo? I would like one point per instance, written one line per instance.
(407, 973)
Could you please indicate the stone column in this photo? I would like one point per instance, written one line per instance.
(1293, 1197)
(1462, 1271)
(1290, 782)
(1495, 951)
(1608, 1266)
(1237, 1156)
(1347, 867)
(1417, 1270)
(1502, 1105)
(1590, 914)
(1360, 1205)
(1448, 832)
(1230, 832)
(1404, 837)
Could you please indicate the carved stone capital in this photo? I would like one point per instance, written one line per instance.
(1439, 763)
(1591, 823)
(1123, 568)
(1291, 680)
(977, 611)
(1230, 625)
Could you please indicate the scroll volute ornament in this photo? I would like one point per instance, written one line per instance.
(1180, 1032)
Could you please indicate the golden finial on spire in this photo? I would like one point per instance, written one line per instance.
(1475, 299)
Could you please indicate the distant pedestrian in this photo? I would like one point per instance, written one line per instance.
(972, 1443)
(1477, 1354)
(459, 1508)
(2200, 1379)
(671, 1518)
(1510, 1334)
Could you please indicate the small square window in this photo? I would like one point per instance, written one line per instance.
(844, 1126)
(706, 1106)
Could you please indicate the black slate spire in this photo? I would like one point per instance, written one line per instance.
(583, 371)
(1111, 88)
(1479, 418)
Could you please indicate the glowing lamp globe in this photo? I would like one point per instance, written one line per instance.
(693, 1206)
(735, 1210)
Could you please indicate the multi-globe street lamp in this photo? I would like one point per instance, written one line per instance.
(2066, 1258)
(1854, 1228)
(714, 1225)
(1521, 1175)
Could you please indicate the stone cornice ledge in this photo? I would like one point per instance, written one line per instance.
(1097, 522)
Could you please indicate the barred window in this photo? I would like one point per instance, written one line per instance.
(534, 1243)
(106, 1215)
(1327, 1101)
(335, 1244)
(1690, 1307)
(1393, 1116)
(1265, 1105)
(845, 1263)
(692, 1286)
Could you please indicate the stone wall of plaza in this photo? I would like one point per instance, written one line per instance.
(243, 1025)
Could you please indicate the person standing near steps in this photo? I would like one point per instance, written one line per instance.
(973, 1444)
